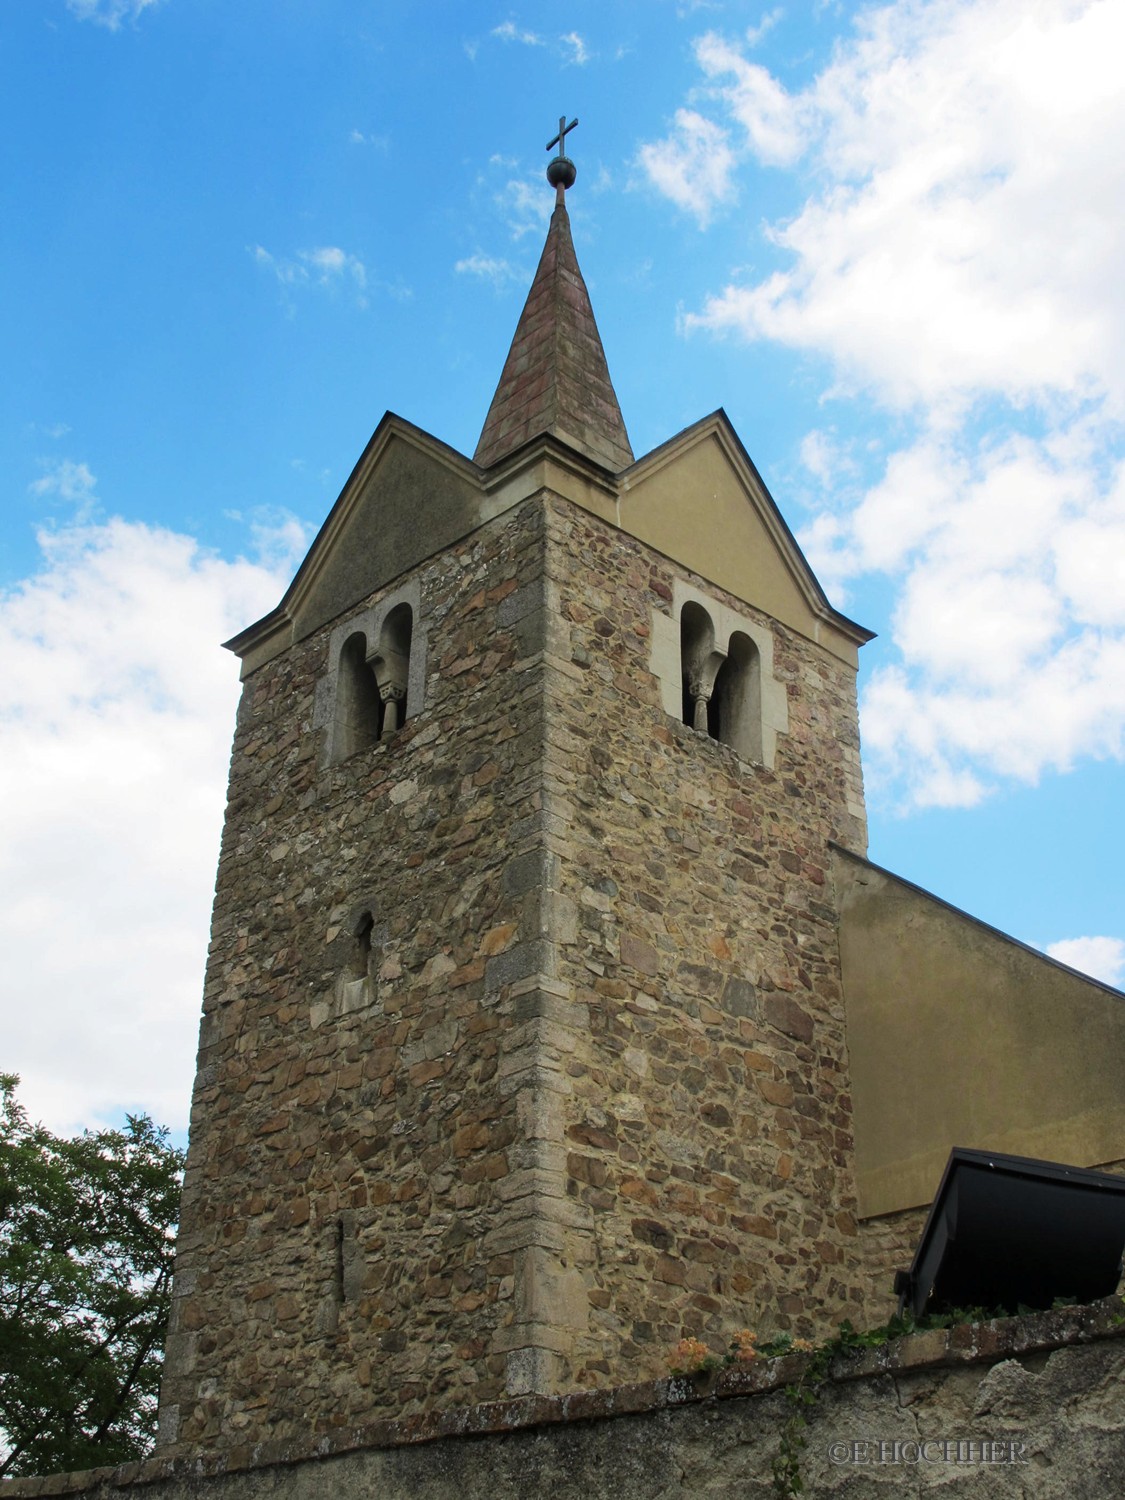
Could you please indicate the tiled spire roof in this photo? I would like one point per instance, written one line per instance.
(555, 379)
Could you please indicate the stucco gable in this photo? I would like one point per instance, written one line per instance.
(699, 499)
(409, 496)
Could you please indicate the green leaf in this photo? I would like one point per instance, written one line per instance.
(87, 1231)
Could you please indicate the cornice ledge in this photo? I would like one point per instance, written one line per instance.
(546, 448)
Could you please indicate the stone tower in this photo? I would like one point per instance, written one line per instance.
(523, 1048)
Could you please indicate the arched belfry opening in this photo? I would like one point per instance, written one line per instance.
(734, 713)
(391, 665)
(700, 661)
(358, 709)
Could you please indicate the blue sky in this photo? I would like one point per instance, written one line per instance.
(886, 239)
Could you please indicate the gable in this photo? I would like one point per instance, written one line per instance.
(699, 500)
(408, 503)
(407, 498)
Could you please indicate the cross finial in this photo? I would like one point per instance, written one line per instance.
(564, 131)
(561, 171)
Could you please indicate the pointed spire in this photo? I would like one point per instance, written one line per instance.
(555, 379)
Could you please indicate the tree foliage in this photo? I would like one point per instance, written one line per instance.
(86, 1243)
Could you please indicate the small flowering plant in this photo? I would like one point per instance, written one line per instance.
(743, 1347)
(691, 1357)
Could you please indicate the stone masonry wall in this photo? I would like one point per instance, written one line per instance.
(702, 1089)
(887, 1245)
(594, 1093)
(353, 1212)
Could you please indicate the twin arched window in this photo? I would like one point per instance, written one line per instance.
(372, 684)
(722, 683)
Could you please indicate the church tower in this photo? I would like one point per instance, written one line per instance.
(523, 1047)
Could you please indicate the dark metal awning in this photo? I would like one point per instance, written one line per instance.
(1010, 1231)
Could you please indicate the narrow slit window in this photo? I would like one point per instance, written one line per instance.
(338, 1263)
(361, 958)
(357, 979)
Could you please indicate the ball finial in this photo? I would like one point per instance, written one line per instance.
(561, 172)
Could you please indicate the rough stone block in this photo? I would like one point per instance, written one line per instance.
(519, 962)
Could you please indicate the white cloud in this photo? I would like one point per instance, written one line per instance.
(325, 266)
(280, 539)
(772, 118)
(116, 707)
(68, 481)
(329, 263)
(948, 745)
(1101, 957)
(755, 34)
(825, 458)
(956, 261)
(488, 268)
(108, 13)
(1010, 614)
(525, 205)
(286, 271)
(967, 236)
(693, 166)
(580, 53)
(508, 31)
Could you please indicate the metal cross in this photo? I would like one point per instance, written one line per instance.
(560, 140)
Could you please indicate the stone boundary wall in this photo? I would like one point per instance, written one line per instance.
(1038, 1402)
